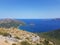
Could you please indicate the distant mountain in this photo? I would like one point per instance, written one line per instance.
(7, 23)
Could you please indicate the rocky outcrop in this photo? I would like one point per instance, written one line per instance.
(16, 36)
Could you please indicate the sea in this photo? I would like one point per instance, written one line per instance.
(40, 25)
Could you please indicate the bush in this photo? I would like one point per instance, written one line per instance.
(25, 43)
(17, 37)
(6, 34)
(14, 44)
(38, 44)
(46, 42)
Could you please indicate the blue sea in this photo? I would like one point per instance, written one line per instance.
(40, 25)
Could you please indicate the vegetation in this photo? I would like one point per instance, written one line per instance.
(13, 44)
(38, 44)
(53, 36)
(25, 43)
(46, 42)
(8, 23)
(17, 37)
(9, 29)
(4, 34)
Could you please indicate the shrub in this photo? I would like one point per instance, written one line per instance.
(17, 37)
(6, 34)
(46, 42)
(38, 44)
(13, 44)
(25, 43)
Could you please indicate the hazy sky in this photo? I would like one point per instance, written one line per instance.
(29, 8)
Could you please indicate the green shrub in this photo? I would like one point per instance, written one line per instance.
(38, 44)
(17, 37)
(6, 34)
(25, 43)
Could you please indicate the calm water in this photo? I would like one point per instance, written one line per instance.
(40, 25)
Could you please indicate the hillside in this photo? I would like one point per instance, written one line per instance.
(14, 36)
(11, 35)
(7, 23)
(53, 36)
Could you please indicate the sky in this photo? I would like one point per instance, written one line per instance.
(30, 9)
